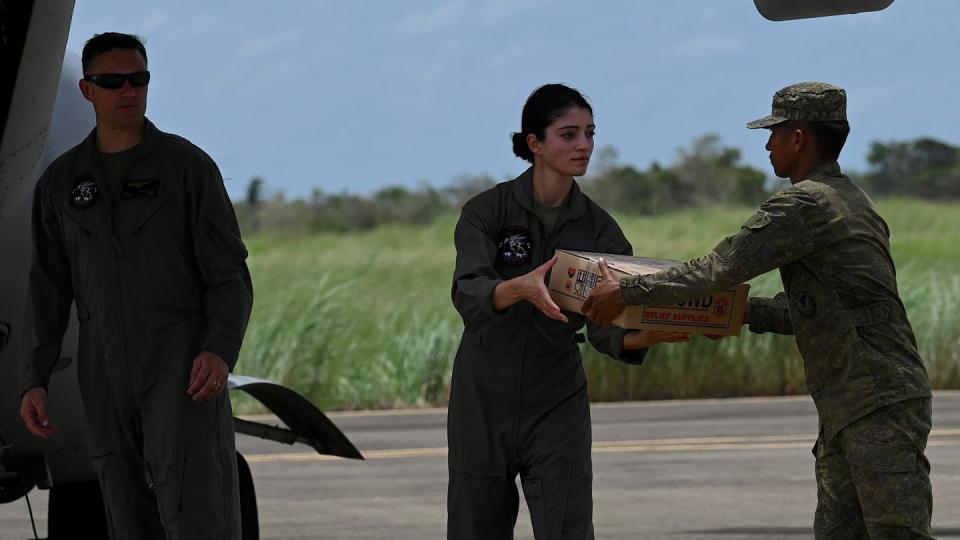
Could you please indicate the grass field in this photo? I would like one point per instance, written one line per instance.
(365, 321)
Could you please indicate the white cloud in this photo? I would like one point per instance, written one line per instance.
(154, 21)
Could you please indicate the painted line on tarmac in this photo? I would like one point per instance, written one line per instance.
(368, 454)
(709, 440)
(693, 444)
(598, 405)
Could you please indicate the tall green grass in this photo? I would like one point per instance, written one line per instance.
(364, 320)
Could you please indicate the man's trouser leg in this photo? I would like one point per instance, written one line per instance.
(481, 506)
(873, 480)
(189, 451)
(130, 506)
(116, 451)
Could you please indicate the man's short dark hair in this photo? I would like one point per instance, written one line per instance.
(829, 137)
(107, 41)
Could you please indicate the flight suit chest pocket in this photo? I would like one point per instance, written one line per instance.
(144, 206)
(79, 236)
(148, 188)
(77, 226)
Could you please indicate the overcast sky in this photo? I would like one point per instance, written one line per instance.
(353, 96)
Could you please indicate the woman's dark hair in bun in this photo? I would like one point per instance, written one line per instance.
(544, 105)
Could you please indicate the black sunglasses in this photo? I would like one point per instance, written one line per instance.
(113, 81)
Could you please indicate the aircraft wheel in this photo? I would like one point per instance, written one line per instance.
(16, 485)
(75, 510)
(249, 522)
(11, 488)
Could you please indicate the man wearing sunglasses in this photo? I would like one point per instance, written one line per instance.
(135, 225)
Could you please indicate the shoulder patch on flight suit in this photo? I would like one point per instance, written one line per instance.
(140, 189)
(514, 245)
(84, 192)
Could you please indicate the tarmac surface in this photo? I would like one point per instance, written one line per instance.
(702, 469)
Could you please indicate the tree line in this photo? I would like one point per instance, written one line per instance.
(706, 173)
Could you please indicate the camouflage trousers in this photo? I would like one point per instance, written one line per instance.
(873, 480)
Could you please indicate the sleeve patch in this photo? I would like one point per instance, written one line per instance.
(757, 221)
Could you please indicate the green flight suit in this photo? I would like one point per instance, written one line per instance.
(158, 277)
(840, 301)
(518, 393)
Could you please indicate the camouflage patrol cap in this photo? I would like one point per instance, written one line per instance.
(813, 101)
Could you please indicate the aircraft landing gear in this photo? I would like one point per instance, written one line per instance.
(75, 510)
(249, 522)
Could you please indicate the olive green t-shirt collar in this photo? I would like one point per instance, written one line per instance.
(90, 154)
(522, 189)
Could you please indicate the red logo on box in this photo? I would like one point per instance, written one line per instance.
(571, 271)
(721, 308)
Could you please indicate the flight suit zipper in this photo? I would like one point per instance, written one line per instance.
(539, 256)
(536, 257)
(118, 255)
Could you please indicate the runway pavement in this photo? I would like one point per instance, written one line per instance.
(685, 470)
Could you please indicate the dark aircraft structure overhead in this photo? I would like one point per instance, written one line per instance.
(785, 10)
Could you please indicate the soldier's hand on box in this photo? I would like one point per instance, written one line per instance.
(605, 302)
(33, 410)
(208, 378)
(641, 339)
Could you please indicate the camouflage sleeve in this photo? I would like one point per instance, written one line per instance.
(770, 315)
(609, 339)
(775, 235)
(474, 277)
(49, 297)
(221, 257)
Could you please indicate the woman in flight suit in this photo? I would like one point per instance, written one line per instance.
(518, 400)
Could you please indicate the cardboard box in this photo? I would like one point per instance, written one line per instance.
(577, 273)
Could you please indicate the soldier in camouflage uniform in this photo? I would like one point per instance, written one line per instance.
(840, 301)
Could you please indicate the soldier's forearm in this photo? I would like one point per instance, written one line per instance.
(693, 279)
(770, 315)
